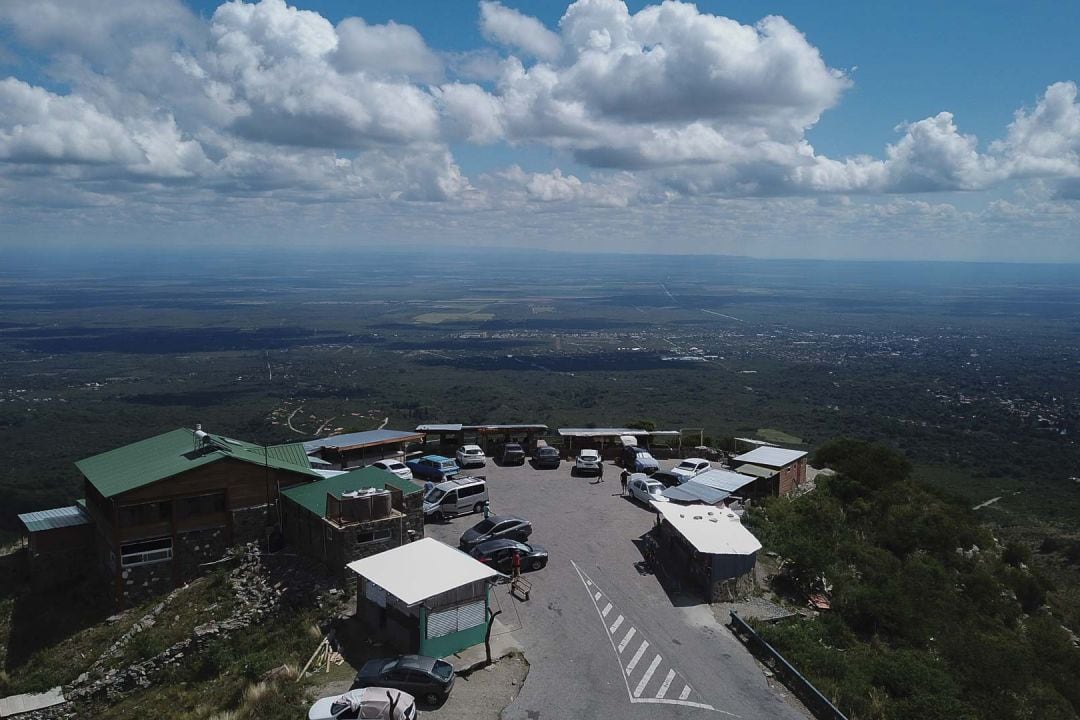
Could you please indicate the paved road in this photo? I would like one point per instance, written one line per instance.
(603, 637)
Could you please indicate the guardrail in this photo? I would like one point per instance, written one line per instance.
(817, 703)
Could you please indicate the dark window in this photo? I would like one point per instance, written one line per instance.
(374, 536)
(146, 552)
(200, 505)
(144, 514)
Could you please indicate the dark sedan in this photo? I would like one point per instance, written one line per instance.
(422, 677)
(546, 457)
(668, 479)
(499, 554)
(509, 527)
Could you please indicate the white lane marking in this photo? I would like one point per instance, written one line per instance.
(647, 676)
(618, 622)
(631, 633)
(667, 683)
(626, 640)
(606, 610)
(637, 656)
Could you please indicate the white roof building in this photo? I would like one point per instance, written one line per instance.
(420, 570)
(709, 529)
(775, 457)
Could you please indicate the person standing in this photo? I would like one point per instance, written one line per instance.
(600, 470)
(624, 478)
(517, 563)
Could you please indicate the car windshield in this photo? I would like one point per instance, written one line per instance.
(654, 488)
(474, 451)
(443, 669)
(434, 496)
(394, 466)
(447, 464)
(587, 455)
(687, 466)
(484, 526)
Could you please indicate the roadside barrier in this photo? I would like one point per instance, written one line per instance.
(818, 704)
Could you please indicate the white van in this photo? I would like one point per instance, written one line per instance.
(455, 497)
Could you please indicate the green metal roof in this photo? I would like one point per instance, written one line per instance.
(313, 496)
(162, 456)
(54, 519)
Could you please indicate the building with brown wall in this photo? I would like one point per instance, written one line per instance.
(784, 469)
(158, 509)
(352, 516)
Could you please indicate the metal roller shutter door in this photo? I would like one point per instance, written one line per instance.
(457, 618)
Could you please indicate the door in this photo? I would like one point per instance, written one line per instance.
(449, 504)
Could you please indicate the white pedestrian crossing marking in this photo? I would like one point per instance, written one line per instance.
(640, 681)
(647, 676)
(626, 640)
(667, 683)
(637, 656)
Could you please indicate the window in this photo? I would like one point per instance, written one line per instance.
(374, 536)
(145, 552)
(200, 505)
(144, 514)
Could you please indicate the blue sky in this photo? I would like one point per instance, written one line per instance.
(912, 130)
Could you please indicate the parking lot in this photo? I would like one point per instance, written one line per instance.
(603, 637)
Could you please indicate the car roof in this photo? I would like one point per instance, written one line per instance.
(501, 518)
(694, 460)
(471, 447)
(588, 451)
(437, 458)
(416, 662)
(499, 544)
(546, 448)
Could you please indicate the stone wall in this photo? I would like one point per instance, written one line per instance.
(249, 524)
(145, 581)
(195, 548)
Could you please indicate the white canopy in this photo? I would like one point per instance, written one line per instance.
(419, 570)
(712, 530)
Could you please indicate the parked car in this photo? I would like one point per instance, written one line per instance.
(645, 490)
(691, 467)
(546, 456)
(455, 497)
(638, 459)
(668, 478)
(374, 703)
(587, 461)
(434, 467)
(496, 527)
(512, 454)
(427, 678)
(499, 554)
(471, 456)
(398, 468)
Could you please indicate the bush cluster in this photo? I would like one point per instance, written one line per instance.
(930, 617)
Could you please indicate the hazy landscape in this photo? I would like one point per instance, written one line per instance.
(968, 368)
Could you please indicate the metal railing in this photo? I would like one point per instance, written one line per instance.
(815, 702)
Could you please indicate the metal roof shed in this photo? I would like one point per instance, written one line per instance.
(430, 587)
(724, 480)
(773, 457)
(692, 492)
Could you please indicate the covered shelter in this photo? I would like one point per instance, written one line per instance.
(724, 480)
(609, 441)
(695, 493)
(361, 448)
(424, 597)
(489, 437)
(709, 546)
(58, 543)
(789, 467)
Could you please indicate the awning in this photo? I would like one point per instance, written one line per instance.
(692, 492)
(420, 570)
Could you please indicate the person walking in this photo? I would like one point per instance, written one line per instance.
(600, 466)
(624, 478)
(517, 563)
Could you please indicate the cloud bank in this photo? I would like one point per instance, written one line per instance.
(144, 109)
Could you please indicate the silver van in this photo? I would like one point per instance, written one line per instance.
(455, 497)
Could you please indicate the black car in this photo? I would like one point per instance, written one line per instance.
(512, 454)
(667, 479)
(422, 677)
(496, 527)
(546, 457)
(499, 554)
